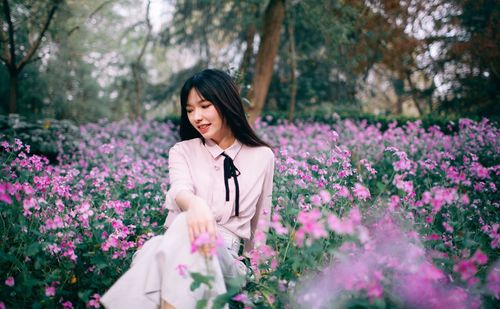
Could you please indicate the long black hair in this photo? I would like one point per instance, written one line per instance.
(218, 88)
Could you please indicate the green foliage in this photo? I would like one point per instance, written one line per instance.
(47, 137)
(83, 68)
(199, 279)
(447, 124)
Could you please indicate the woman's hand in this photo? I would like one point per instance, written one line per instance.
(200, 220)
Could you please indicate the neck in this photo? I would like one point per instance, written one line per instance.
(226, 141)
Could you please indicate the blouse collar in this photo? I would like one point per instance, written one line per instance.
(216, 151)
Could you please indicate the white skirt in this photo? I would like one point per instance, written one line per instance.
(156, 271)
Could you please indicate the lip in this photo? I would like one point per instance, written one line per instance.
(203, 128)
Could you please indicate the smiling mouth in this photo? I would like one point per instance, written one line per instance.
(203, 128)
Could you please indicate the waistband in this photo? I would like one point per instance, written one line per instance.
(231, 241)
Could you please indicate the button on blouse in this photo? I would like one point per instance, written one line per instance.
(198, 167)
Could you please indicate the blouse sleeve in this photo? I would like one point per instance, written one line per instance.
(260, 221)
(180, 177)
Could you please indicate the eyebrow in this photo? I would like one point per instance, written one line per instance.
(200, 101)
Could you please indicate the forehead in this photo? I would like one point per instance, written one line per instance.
(194, 97)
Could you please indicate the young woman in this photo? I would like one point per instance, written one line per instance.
(221, 177)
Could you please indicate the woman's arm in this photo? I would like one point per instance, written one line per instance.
(260, 221)
(182, 197)
(199, 216)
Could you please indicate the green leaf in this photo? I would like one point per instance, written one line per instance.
(194, 285)
(33, 249)
(202, 303)
(200, 279)
(84, 295)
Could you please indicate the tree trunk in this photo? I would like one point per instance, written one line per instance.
(9, 56)
(293, 67)
(13, 92)
(136, 110)
(268, 48)
(247, 56)
(399, 106)
(416, 94)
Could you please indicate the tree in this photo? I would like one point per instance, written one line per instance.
(137, 68)
(470, 61)
(19, 45)
(264, 64)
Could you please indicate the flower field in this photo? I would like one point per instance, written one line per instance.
(405, 217)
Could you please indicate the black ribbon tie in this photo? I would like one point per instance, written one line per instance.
(231, 171)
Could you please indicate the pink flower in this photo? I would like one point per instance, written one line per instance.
(316, 200)
(325, 196)
(393, 203)
(182, 270)
(340, 226)
(374, 289)
(434, 237)
(368, 166)
(311, 225)
(202, 240)
(242, 298)
(6, 189)
(342, 191)
(480, 258)
(5, 145)
(50, 291)
(479, 171)
(10, 281)
(355, 216)
(466, 268)
(429, 271)
(67, 305)
(361, 192)
(277, 226)
(426, 197)
(94, 301)
(2, 305)
(448, 227)
(464, 199)
(494, 280)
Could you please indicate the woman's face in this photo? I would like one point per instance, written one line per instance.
(205, 118)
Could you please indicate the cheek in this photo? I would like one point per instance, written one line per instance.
(215, 116)
(190, 119)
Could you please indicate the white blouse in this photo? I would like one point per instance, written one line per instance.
(198, 167)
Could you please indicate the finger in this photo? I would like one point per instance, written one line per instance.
(205, 250)
(196, 231)
(211, 231)
(203, 227)
(191, 234)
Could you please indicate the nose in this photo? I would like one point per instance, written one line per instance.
(197, 115)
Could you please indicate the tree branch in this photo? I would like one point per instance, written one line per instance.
(10, 52)
(148, 35)
(5, 47)
(35, 46)
(130, 28)
(100, 7)
(136, 65)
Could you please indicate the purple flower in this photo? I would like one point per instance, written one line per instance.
(10, 281)
(182, 270)
(94, 301)
(50, 291)
(361, 192)
(242, 298)
(494, 280)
